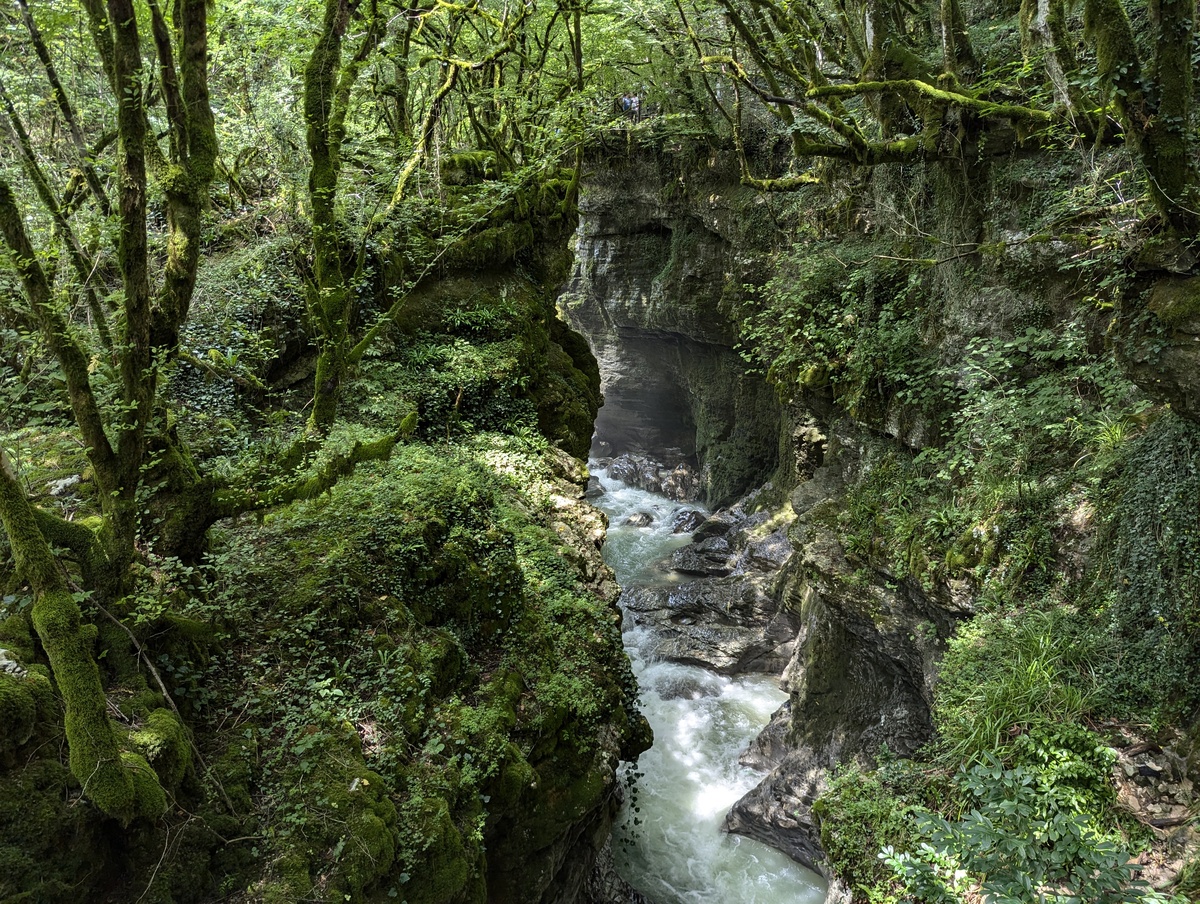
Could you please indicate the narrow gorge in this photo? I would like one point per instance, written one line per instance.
(642, 452)
(669, 248)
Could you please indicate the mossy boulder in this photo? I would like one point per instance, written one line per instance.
(163, 741)
(18, 713)
(27, 702)
(1157, 341)
(51, 844)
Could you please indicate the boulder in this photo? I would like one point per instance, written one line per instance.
(729, 625)
(687, 520)
(712, 557)
(778, 812)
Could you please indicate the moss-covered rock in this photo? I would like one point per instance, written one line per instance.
(436, 637)
(18, 713)
(1157, 340)
(164, 743)
(52, 846)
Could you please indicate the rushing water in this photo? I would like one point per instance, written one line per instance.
(668, 842)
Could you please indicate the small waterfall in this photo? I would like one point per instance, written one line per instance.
(668, 842)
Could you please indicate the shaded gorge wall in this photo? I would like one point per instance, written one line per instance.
(660, 263)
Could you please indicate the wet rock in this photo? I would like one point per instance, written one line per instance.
(680, 483)
(769, 748)
(712, 557)
(825, 482)
(770, 553)
(604, 886)
(778, 811)
(640, 519)
(651, 293)
(715, 526)
(685, 688)
(687, 520)
(863, 669)
(594, 488)
(729, 625)
(637, 471)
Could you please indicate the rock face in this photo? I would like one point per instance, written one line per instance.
(862, 669)
(1159, 342)
(652, 292)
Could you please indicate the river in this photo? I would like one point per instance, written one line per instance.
(668, 842)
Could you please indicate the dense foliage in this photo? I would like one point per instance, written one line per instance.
(295, 260)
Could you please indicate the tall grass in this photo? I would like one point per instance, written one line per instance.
(1002, 677)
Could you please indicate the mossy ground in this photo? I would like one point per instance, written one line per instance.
(410, 688)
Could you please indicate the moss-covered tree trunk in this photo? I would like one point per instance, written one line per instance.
(121, 784)
(1155, 108)
(327, 90)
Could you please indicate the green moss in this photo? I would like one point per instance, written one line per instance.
(431, 604)
(469, 167)
(16, 635)
(18, 714)
(492, 246)
(234, 769)
(163, 741)
(438, 863)
(51, 848)
(1176, 302)
(149, 798)
(515, 777)
(567, 392)
(94, 752)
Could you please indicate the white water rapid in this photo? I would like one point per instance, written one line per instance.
(668, 843)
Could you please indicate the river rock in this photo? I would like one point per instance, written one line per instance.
(778, 811)
(712, 557)
(640, 519)
(769, 748)
(681, 482)
(729, 625)
(686, 688)
(595, 489)
(863, 668)
(687, 520)
(636, 471)
(770, 553)
(715, 526)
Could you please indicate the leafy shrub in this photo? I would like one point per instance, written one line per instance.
(1023, 839)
